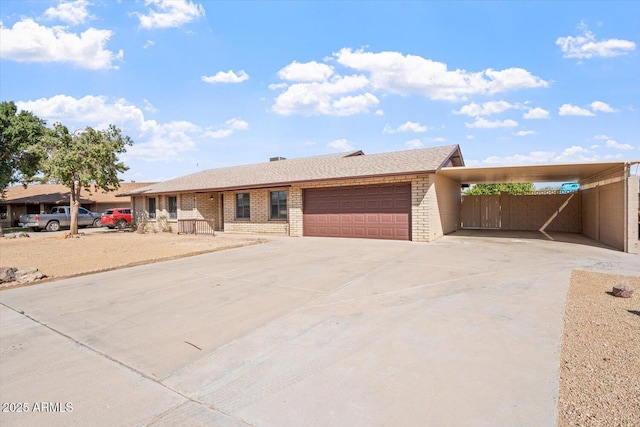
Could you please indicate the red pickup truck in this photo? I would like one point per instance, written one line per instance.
(118, 218)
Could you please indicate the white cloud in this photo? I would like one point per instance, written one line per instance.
(519, 159)
(414, 143)
(524, 133)
(574, 110)
(481, 123)
(91, 110)
(602, 106)
(226, 77)
(602, 137)
(28, 41)
(229, 128)
(349, 105)
(317, 85)
(276, 86)
(616, 145)
(340, 144)
(572, 154)
(486, 109)
(306, 72)
(148, 44)
(154, 142)
(470, 136)
(536, 113)
(397, 73)
(379, 113)
(574, 149)
(586, 46)
(325, 97)
(72, 13)
(169, 13)
(164, 142)
(405, 127)
(149, 106)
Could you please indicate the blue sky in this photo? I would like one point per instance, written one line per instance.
(203, 84)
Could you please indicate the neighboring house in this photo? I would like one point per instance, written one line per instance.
(395, 195)
(38, 198)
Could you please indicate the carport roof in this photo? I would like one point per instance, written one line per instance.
(533, 173)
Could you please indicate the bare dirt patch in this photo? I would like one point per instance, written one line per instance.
(600, 357)
(58, 257)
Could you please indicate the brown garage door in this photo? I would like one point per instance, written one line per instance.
(367, 211)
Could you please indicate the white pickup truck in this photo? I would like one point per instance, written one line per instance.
(59, 217)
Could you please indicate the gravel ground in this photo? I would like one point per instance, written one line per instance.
(600, 358)
(100, 250)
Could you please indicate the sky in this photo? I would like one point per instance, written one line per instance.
(207, 84)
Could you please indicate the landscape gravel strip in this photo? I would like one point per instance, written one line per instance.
(600, 357)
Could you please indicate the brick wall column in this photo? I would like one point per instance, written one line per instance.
(295, 211)
(420, 208)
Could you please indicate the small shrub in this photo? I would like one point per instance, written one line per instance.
(141, 223)
(163, 224)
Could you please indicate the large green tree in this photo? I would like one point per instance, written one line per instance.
(84, 157)
(511, 188)
(20, 136)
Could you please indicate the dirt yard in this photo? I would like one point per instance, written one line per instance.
(600, 355)
(101, 250)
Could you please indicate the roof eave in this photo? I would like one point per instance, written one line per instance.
(283, 183)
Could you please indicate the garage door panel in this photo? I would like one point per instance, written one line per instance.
(369, 211)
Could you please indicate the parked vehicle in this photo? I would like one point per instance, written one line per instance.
(118, 218)
(59, 217)
(569, 187)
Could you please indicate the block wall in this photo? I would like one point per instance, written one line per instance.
(633, 215)
(590, 213)
(545, 212)
(604, 216)
(611, 213)
(444, 202)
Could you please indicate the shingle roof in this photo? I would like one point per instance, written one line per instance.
(327, 167)
(58, 193)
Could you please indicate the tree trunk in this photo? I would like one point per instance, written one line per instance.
(73, 208)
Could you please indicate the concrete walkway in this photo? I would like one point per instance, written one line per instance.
(461, 332)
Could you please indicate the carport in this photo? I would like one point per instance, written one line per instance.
(604, 209)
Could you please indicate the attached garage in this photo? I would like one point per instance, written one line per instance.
(362, 211)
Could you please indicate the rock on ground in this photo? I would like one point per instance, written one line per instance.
(8, 275)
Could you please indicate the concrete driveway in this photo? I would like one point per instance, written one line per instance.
(461, 332)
